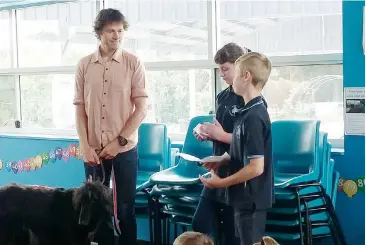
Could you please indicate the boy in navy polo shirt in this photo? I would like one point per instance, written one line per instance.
(249, 188)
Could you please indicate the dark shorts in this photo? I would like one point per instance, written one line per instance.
(249, 224)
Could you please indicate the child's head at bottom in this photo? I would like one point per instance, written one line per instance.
(193, 238)
(266, 240)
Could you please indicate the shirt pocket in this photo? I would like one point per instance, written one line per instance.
(121, 80)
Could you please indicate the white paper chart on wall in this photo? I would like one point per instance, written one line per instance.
(354, 104)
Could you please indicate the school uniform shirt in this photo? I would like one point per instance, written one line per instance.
(251, 139)
(225, 101)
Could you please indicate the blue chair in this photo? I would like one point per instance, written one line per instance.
(178, 181)
(185, 172)
(302, 167)
(295, 158)
(154, 155)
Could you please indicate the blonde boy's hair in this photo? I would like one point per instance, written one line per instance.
(266, 240)
(258, 65)
(193, 238)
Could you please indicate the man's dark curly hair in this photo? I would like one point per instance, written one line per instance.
(106, 16)
(230, 53)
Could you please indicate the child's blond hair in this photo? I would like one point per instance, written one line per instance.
(266, 240)
(193, 238)
(258, 65)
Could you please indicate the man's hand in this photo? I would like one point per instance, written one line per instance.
(213, 182)
(110, 151)
(90, 156)
(214, 131)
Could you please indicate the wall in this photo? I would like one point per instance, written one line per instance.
(67, 172)
(351, 165)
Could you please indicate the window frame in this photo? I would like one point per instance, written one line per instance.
(213, 24)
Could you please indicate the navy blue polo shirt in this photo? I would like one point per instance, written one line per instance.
(226, 100)
(251, 139)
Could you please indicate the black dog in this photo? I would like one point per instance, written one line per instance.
(53, 216)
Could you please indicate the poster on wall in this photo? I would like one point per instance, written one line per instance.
(354, 104)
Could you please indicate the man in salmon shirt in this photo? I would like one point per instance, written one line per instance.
(111, 102)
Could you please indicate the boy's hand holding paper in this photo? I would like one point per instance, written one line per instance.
(199, 134)
(211, 162)
(214, 162)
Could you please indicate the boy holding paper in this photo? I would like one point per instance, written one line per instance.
(249, 188)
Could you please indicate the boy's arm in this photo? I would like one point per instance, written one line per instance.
(253, 145)
(252, 170)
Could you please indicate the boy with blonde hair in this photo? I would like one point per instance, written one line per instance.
(193, 238)
(249, 185)
(267, 241)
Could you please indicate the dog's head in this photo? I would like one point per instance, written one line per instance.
(92, 203)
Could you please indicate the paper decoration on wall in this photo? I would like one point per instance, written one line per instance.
(58, 153)
(351, 187)
(38, 161)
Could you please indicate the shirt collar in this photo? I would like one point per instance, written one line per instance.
(117, 56)
(235, 110)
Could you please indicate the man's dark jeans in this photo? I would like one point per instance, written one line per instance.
(124, 166)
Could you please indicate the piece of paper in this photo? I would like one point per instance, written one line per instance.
(354, 104)
(210, 159)
(198, 130)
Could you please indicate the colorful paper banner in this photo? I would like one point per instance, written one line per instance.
(42, 159)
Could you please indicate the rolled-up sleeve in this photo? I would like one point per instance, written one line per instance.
(139, 81)
(79, 84)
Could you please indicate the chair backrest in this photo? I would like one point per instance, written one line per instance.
(295, 146)
(153, 147)
(322, 159)
(193, 146)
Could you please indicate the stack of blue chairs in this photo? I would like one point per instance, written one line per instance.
(174, 192)
(154, 156)
(305, 184)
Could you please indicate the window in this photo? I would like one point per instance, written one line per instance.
(307, 92)
(166, 30)
(47, 101)
(175, 96)
(56, 35)
(280, 28)
(8, 101)
(5, 52)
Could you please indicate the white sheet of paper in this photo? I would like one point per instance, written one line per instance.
(188, 157)
(209, 159)
(198, 130)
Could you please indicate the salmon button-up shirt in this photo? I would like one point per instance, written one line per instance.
(107, 90)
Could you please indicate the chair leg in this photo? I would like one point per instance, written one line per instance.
(175, 231)
(307, 220)
(168, 231)
(299, 213)
(150, 216)
(164, 230)
(335, 221)
(157, 222)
